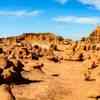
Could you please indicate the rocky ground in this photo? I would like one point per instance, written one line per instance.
(61, 70)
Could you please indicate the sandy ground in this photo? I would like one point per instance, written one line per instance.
(69, 85)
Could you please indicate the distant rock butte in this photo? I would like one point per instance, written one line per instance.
(95, 35)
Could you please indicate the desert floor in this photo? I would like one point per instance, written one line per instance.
(59, 81)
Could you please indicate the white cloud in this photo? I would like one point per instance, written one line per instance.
(20, 13)
(79, 20)
(62, 1)
(94, 3)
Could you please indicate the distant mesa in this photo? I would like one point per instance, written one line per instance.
(94, 37)
(33, 37)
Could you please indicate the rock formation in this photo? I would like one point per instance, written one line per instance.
(38, 67)
(95, 35)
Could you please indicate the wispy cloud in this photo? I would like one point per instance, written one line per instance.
(62, 1)
(94, 3)
(76, 19)
(21, 13)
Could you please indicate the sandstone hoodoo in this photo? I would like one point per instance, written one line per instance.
(95, 35)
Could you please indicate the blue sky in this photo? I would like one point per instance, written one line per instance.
(70, 18)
